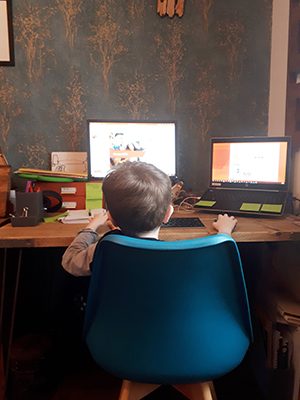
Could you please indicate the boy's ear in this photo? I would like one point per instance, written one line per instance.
(111, 223)
(168, 214)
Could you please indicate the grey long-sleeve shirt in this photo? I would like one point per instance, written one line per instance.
(79, 255)
(77, 258)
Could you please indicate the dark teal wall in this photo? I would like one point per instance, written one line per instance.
(118, 59)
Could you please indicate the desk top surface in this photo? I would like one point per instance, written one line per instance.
(56, 234)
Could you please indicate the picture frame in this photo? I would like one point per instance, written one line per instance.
(6, 34)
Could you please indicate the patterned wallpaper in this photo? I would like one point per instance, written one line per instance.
(117, 59)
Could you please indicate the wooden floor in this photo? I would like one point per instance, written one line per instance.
(92, 384)
(82, 379)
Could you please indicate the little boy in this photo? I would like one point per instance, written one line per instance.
(138, 200)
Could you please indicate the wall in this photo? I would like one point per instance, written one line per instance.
(278, 86)
(278, 67)
(75, 59)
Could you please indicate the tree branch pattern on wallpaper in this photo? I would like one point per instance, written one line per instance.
(231, 38)
(135, 96)
(35, 152)
(32, 33)
(136, 9)
(70, 10)
(105, 41)
(8, 108)
(205, 100)
(72, 111)
(171, 53)
(206, 8)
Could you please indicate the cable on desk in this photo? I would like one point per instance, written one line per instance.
(186, 205)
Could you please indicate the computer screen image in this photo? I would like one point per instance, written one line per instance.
(251, 161)
(113, 142)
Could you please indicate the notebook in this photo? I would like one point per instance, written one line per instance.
(248, 175)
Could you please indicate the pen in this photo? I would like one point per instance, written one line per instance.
(25, 212)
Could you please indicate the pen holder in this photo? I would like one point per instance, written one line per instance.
(29, 209)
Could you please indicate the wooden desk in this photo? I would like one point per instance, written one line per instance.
(247, 230)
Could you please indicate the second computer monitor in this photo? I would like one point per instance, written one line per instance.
(113, 142)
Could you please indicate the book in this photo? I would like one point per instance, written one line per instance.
(289, 310)
(82, 216)
(45, 172)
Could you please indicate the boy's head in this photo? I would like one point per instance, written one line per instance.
(137, 196)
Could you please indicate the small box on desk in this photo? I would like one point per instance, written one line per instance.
(5, 171)
(29, 209)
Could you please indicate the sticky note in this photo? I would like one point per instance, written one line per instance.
(250, 207)
(93, 195)
(205, 203)
(93, 190)
(272, 208)
(91, 204)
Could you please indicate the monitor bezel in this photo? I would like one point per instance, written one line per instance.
(246, 185)
(126, 121)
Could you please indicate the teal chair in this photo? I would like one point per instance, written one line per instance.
(171, 313)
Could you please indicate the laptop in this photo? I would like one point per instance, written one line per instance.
(248, 175)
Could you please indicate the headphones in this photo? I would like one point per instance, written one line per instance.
(52, 201)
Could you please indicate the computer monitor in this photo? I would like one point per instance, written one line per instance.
(113, 142)
(250, 162)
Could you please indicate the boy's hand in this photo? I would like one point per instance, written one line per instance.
(225, 224)
(97, 221)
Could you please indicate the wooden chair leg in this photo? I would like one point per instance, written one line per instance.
(198, 391)
(135, 390)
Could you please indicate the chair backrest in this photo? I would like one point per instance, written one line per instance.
(167, 312)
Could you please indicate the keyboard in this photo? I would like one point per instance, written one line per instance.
(183, 222)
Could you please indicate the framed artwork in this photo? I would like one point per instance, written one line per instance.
(6, 34)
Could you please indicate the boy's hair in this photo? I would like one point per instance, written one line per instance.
(137, 195)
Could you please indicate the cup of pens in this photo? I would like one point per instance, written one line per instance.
(29, 209)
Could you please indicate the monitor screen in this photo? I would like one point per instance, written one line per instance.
(249, 161)
(113, 142)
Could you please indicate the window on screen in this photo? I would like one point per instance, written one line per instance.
(111, 143)
(250, 162)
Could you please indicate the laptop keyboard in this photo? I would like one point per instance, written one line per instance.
(233, 199)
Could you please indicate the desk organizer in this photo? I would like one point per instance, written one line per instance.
(29, 209)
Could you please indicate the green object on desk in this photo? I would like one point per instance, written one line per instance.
(34, 177)
(205, 203)
(250, 207)
(93, 193)
(55, 217)
(92, 204)
(272, 208)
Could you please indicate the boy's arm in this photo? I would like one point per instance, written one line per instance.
(79, 255)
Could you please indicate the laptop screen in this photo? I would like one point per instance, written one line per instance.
(250, 162)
